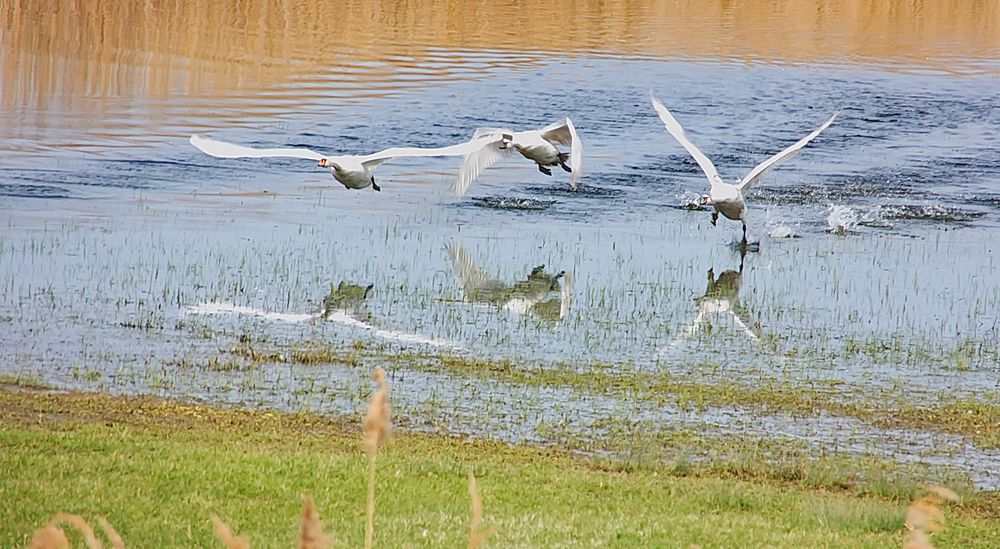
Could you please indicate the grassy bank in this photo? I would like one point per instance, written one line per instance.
(159, 469)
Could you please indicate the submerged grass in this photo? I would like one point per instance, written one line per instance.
(977, 419)
(161, 467)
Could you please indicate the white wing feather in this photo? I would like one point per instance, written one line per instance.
(766, 165)
(677, 131)
(487, 154)
(484, 132)
(372, 160)
(223, 149)
(564, 133)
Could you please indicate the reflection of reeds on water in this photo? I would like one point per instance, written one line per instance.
(88, 48)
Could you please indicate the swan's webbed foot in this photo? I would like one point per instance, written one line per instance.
(544, 170)
(715, 218)
(375, 185)
(565, 167)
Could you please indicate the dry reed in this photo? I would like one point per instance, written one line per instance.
(926, 516)
(378, 419)
(116, 540)
(49, 536)
(311, 534)
(76, 521)
(225, 535)
(477, 534)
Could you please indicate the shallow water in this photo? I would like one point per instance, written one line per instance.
(129, 260)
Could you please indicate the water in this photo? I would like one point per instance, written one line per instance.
(130, 262)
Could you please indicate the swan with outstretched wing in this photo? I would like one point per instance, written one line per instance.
(727, 198)
(354, 172)
(535, 145)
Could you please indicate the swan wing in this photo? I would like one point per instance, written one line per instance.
(487, 152)
(487, 132)
(222, 149)
(461, 149)
(755, 175)
(564, 133)
(677, 131)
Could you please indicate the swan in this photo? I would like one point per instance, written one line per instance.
(727, 198)
(353, 172)
(535, 145)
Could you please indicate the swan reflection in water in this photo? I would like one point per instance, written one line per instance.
(722, 298)
(343, 305)
(347, 300)
(530, 296)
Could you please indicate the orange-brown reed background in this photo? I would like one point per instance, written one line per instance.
(155, 48)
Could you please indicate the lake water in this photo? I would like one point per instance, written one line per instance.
(131, 262)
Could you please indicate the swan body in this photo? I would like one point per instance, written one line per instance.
(535, 145)
(353, 172)
(728, 198)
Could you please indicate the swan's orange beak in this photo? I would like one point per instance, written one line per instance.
(322, 162)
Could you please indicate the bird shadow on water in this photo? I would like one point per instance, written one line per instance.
(344, 305)
(721, 300)
(542, 295)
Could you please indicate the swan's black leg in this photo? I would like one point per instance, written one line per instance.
(544, 170)
(745, 233)
(563, 157)
(375, 185)
(715, 218)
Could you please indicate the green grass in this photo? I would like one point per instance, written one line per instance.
(159, 469)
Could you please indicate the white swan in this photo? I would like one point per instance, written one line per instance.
(354, 172)
(727, 198)
(535, 145)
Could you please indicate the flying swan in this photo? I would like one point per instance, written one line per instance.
(727, 198)
(354, 172)
(535, 145)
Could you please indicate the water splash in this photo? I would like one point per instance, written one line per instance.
(777, 228)
(782, 231)
(841, 219)
(690, 202)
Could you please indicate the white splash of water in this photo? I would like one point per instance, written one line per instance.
(776, 228)
(841, 219)
(781, 231)
(689, 202)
